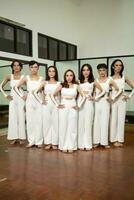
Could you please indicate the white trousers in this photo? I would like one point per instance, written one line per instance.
(101, 122)
(50, 123)
(117, 120)
(16, 123)
(68, 126)
(34, 121)
(85, 124)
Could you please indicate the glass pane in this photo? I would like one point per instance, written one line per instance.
(42, 47)
(93, 63)
(23, 42)
(6, 38)
(5, 70)
(63, 66)
(53, 49)
(62, 51)
(71, 52)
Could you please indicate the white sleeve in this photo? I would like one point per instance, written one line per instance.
(54, 100)
(131, 94)
(35, 94)
(18, 91)
(1, 89)
(117, 94)
(100, 95)
(81, 101)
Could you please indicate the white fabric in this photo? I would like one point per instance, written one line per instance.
(101, 119)
(33, 114)
(50, 116)
(118, 111)
(68, 120)
(16, 123)
(85, 121)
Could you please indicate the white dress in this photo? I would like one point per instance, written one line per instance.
(50, 116)
(118, 112)
(33, 114)
(85, 121)
(16, 123)
(68, 119)
(101, 119)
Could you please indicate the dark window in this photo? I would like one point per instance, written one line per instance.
(62, 51)
(15, 40)
(71, 52)
(6, 38)
(42, 47)
(53, 49)
(23, 44)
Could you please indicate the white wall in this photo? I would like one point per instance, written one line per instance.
(56, 18)
(98, 27)
(106, 28)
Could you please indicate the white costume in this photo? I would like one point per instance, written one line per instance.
(118, 111)
(86, 117)
(16, 123)
(101, 119)
(33, 114)
(50, 116)
(68, 119)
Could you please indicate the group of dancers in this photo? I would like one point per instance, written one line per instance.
(67, 115)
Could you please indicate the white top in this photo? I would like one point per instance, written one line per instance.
(87, 87)
(13, 83)
(33, 84)
(105, 86)
(120, 82)
(50, 88)
(71, 92)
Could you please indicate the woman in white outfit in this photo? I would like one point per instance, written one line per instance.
(86, 113)
(16, 123)
(118, 107)
(33, 107)
(102, 108)
(50, 111)
(68, 112)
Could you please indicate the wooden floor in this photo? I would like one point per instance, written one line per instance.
(36, 174)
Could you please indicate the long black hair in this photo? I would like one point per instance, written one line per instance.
(112, 67)
(20, 64)
(91, 76)
(56, 73)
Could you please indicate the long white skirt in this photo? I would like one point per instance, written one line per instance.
(34, 121)
(50, 123)
(85, 121)
(68, 126)
(16, 123)
(101, 122)
(117, 120)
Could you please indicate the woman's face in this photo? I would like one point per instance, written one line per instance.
(117, 66)
(51, 72)
(34, 69)
(16, 67)
(69, 77)
(102, 72)
(86, 72)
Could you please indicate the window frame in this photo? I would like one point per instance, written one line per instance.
(58, 50)
(15, 28)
